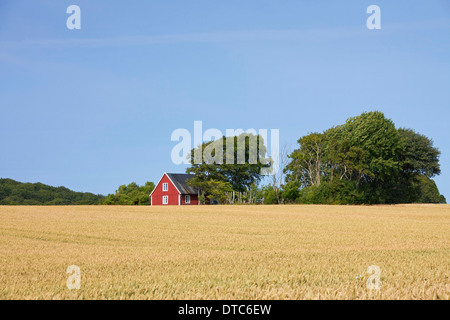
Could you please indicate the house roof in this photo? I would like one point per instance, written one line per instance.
(180, 182)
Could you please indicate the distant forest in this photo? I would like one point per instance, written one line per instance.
(18, 193)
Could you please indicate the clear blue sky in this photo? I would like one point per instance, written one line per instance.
(94, 108)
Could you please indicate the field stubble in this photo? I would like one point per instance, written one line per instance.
(225, 252)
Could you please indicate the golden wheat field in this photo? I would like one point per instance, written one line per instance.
(225, 252)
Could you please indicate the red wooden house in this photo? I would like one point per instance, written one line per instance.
(172, 189)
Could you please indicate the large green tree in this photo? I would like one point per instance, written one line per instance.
(238, 160)
(307, 165)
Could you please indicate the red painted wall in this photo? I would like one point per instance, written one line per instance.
(159, 193)
(194, 200)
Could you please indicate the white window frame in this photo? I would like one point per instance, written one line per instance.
(165, 200)
(187, 199)
(165, 186)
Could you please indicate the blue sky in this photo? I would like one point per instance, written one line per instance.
(94, 108)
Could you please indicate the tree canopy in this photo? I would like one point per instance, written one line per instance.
(228, 164)
(365, 160)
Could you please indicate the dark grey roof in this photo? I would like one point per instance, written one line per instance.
(180, 181)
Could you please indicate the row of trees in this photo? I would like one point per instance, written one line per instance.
(366, 160)
(17, 193)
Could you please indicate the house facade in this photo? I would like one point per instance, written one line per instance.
(173, 189)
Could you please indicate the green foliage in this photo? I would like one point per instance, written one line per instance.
(245, 169)
(218, 190)
(419, 156)
(202, 199)
(308, 160)
(228, 164)
(338, 192)
(366, 160)
(291, 191)
(18, 193)
(269, 195)
(211, 189)
(255, 193)
(131, 194)
(426, 190)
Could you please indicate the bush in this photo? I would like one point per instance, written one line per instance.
(131, 194)
(270, 195)
(342, 192)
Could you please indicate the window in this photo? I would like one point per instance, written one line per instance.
(165, 199)
(165, 187)
(187, 199)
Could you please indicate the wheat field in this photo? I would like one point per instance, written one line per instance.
(225, 252)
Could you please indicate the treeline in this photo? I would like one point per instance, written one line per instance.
(367, 160)
(17, 193)
(131, 194)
